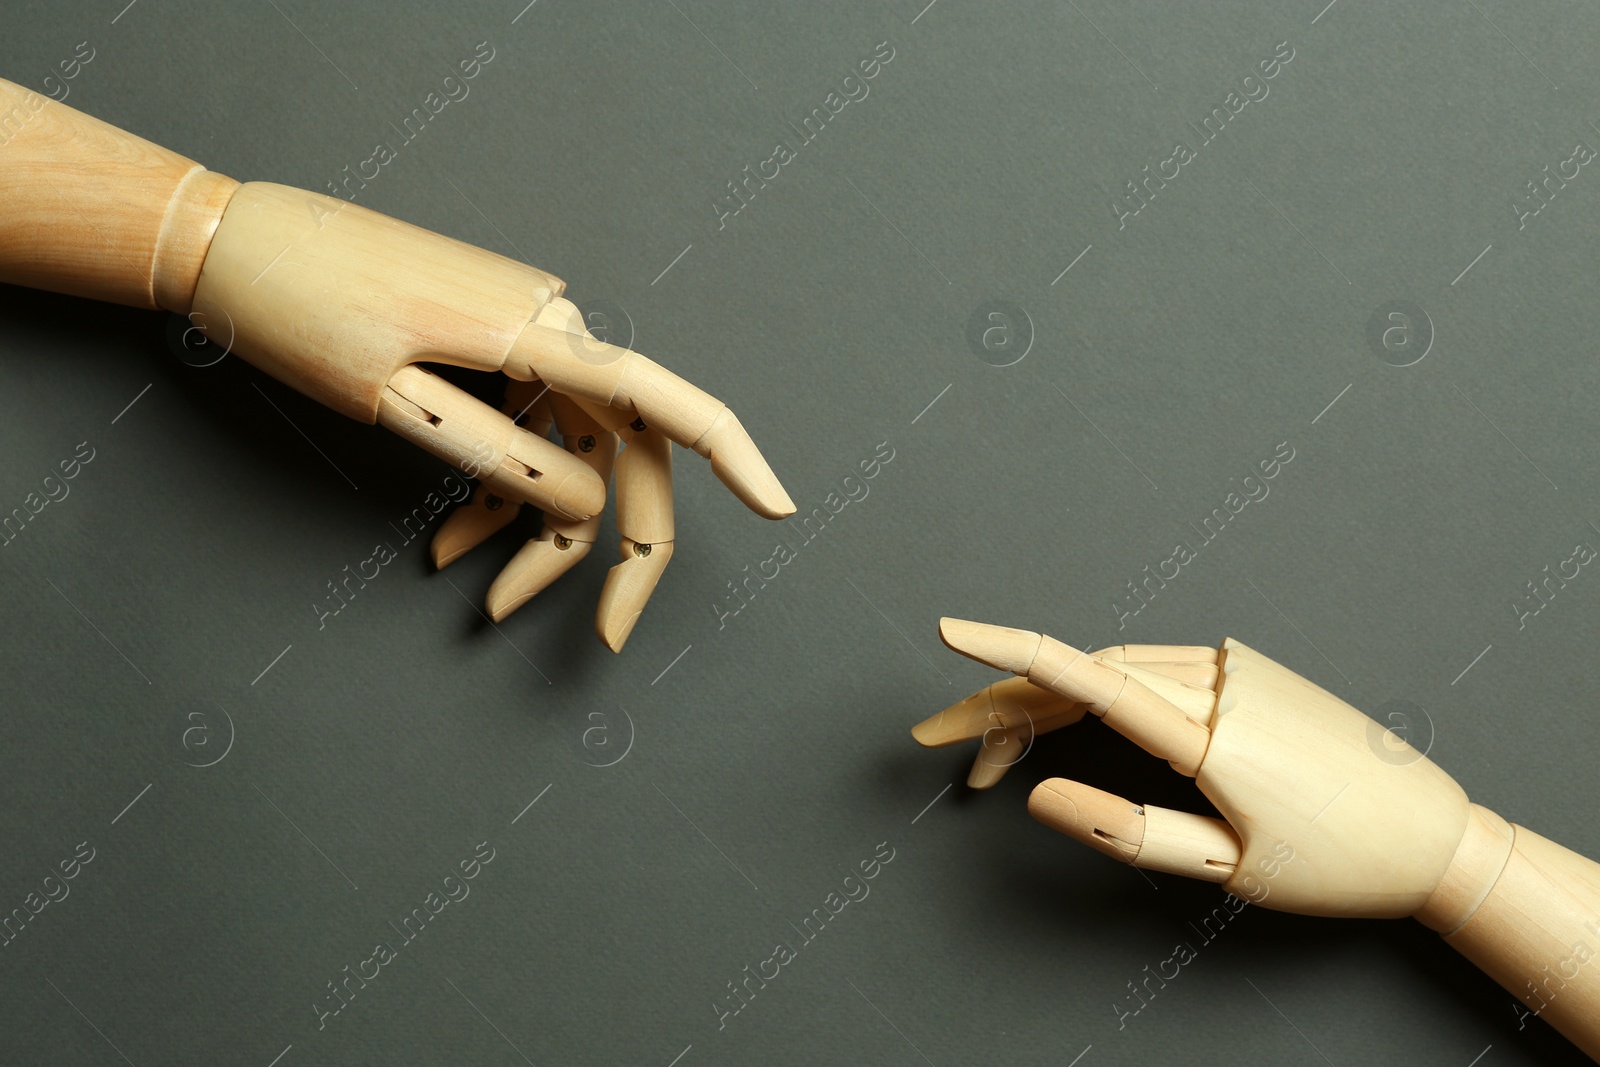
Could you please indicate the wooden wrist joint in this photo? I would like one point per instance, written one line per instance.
(1479, 860)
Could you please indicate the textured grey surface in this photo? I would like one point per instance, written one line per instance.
(830, 312)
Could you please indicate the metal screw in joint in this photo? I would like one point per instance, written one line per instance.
(586, 443)
(637, 424)
(493, 503)
(641, 550)
(563, 543)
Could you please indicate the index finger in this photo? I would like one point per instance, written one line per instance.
(1123, 701)
(569, 361)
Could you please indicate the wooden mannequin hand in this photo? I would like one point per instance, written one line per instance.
(1324, 811)
(1308, 785)
(344, 303)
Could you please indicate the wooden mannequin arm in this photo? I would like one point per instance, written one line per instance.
(1526, 911)
(94, 211)
(1324, 811)
(341, 302)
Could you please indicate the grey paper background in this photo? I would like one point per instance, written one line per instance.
(766, 756)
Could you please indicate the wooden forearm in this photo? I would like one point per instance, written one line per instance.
(94, 211)
(1526, 911)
